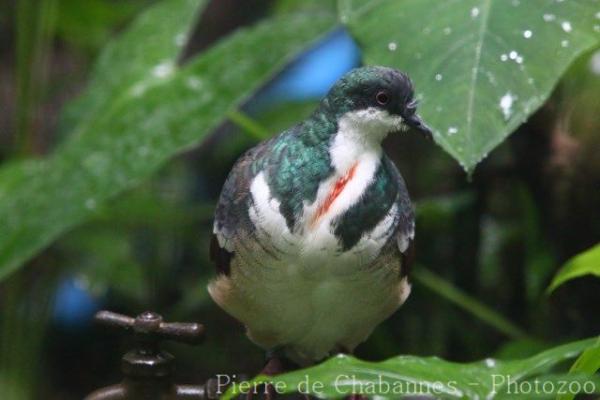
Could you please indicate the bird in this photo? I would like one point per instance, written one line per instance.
(313, 233)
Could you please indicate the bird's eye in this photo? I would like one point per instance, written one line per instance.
(382, 98)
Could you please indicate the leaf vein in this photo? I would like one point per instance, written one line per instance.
(475, 71)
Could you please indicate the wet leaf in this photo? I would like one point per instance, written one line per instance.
(588, 362)
(148, 47)
(487, 379)
(481, 67)
(141, 119)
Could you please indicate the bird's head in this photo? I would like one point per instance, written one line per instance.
(380, 99)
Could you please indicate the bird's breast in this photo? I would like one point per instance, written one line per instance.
(334, 192)
(313, 236)
(338, 193)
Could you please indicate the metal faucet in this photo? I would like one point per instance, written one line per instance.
(147, 369)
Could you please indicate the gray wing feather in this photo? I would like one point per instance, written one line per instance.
(231, 214)
(405, 229)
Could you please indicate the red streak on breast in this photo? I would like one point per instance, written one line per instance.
(339, 186)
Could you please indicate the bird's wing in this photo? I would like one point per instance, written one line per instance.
(231, 214)
(280, 159)
(405, 229)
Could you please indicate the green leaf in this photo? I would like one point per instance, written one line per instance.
(487, 379)
(248, 125)
(148, 48)
(586, 263)
(88, 24)
(286, 6)
(138, 122)
(480, 67)
(588, 362)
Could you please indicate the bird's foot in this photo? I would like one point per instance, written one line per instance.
(357, 397)
(275, 365)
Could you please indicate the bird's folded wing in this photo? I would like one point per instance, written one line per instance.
(405, 231)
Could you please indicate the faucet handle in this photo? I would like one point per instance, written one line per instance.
(150, 327)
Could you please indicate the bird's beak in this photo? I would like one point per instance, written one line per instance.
(417, 123)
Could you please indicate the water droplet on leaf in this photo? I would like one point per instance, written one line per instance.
(90, 204)
(163, 69)
(138, 89)
(595, 63)
(180, 39)
(144, 151)
(506, 103)
(193, 83)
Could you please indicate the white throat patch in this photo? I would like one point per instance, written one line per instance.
(360, 133)
(371, 124)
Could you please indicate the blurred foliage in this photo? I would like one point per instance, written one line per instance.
(467, 303)
(582, 264)
(23, 325)
(35, 25)
(588, 362)
(124, 200)
(88, 25)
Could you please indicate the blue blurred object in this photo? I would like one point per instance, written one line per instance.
(74, 305)
(313, 73)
